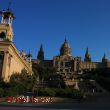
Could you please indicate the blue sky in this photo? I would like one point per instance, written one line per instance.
(83, 22)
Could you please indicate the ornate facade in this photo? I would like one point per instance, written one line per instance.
(69, 66)
(66, 64)
(11, 61)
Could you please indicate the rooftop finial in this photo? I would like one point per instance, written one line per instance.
(87, 50)
(65, 39)
(9, 5)
(29, 54)
(41, 47)
(104, 55)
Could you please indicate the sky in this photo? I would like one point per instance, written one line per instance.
(85, 23)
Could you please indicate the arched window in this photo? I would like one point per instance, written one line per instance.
(2, 36)
(1, 62)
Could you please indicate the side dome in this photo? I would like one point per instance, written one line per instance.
(65, 49)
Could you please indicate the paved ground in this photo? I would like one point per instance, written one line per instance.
(19, 108)
(59, 106)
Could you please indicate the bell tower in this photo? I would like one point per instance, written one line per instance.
(40, 55)
(6, 31)
(87, 56)
(11, 61)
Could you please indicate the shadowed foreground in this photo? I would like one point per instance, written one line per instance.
(101, 102)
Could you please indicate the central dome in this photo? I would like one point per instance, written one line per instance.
(65, 49)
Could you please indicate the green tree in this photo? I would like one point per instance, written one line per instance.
(22, 82)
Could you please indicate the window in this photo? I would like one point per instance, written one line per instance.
(66, 70)
(61, 64)
(2, 36)
(61, 70)
(56, 64)
(67, 64)
(1, 62)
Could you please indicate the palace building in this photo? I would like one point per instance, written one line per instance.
(11, 61)
(69, 66)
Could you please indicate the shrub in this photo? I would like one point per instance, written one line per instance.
(50, 92)
(1, 92)
(77, 94)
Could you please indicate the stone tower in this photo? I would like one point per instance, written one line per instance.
(11, 61)
(40, 55)
(6, 31)
(87, 56)
(104, 58)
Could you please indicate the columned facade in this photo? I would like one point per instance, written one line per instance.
(11, 61)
